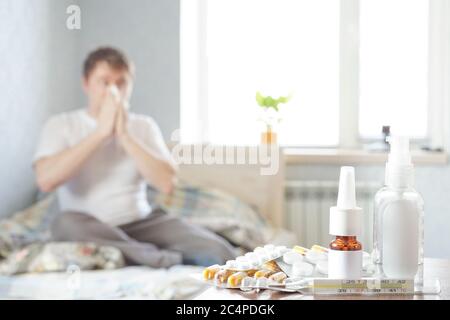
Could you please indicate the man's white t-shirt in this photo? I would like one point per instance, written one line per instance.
(108, 185)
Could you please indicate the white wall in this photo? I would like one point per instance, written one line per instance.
(148, 31)
(41, 70)
(36, 80)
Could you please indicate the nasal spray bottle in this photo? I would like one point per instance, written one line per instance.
(398, 219)
(345, 254)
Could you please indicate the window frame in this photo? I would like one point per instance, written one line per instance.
(438, 131)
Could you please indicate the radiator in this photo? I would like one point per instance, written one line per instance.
(307, 210)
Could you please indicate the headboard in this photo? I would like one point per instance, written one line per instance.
(245, 181)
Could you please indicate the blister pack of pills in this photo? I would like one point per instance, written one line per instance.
(273, 266)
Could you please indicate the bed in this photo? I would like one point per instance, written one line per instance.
(262, 193)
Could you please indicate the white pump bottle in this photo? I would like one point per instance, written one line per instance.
(398, 219)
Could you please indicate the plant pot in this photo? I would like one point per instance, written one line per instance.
(269, 136)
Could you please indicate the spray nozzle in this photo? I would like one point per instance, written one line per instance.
(399, 153)
(346, 194)
(346, 217)
(399, 167)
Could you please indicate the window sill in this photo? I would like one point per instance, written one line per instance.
(294, 156)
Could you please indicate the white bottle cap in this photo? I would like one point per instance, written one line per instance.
(346, 217)
(399, 168)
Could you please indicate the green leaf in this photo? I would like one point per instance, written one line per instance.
(270, 102)
(260, 99)
(283, 99)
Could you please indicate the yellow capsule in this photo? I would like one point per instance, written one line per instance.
(318, 248)
(250, 272)
(300, 250)
(263, 273)
(236, 278)
(210, 272)
(278, 277)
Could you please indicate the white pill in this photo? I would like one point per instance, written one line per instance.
(274, 255)
(231, 264)
(291, 257)
(259, 250)
(252, 258)
(263, 255)
(243, 265)
(314, 256)
(280, 250)
(300, 269)
(250, 255)
(264, 260)
(270, 250)
(241, 259)
(322, 266)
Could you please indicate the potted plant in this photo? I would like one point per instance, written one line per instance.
(270, 115)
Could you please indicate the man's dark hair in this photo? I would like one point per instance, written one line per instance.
(115, 58)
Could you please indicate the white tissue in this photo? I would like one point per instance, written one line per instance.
(114, 91)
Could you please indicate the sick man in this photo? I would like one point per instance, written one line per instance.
(100, 159)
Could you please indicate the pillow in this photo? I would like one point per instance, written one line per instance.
(216, 210)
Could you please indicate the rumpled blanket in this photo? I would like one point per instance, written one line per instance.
(61, 256)
(217, 211)
(25, 245)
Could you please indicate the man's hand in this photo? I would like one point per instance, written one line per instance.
(121, 130)
(155, 169)
(108, 115)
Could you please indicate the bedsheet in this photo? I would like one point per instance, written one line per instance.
(134, 282)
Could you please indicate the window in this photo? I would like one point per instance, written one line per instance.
(393, 67)
(268, 46)
(352, 65)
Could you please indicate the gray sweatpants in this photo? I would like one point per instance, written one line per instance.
(159, 240)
